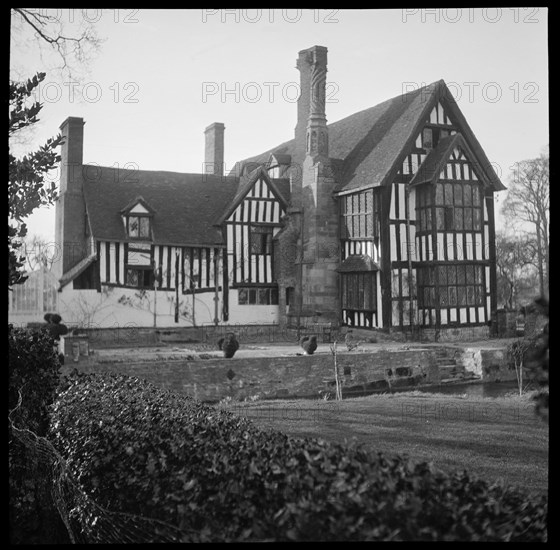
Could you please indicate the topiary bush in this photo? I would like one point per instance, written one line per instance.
(137, 448)
(33, 368)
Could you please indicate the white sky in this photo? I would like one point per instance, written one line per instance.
(145, 103)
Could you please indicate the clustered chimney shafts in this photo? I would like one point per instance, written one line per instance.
(214, 149)
(317, 143)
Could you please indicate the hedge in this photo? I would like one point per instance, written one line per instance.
(137, 448)
(33, 368)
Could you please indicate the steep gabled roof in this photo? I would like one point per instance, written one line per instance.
(372, 143)
(436, 159)
(186, 205)
(280, 159)
(280, 188)
(137, 200)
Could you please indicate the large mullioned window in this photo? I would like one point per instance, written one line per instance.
(359, 291)
(458, 207)
(451, 285)
(360, 215)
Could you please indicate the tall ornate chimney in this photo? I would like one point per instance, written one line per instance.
(317, 139)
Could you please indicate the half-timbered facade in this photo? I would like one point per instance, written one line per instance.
(383, 219)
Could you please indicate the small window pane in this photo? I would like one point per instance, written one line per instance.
(460, 274)
(477, 223)
(144, 227)
(439, 193)
(428, 219)
(427, 141)
(478, 274)
(452, 295)
(458, 225)
(468, 219)
(467, 194)
(133, 226)
(449, 218)
(263, 296)
(471, 300)
(252, 296)
(476, 195)
(451, 274)
(132, 277)
(440, 219)
(427, 302)
(432, 296)
(243, 296)
(448, 194)
(461, 296)
(458, 194)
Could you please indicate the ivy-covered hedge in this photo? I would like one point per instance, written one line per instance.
(140, 449)
(33, 368)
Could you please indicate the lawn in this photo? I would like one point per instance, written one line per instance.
(498, 439)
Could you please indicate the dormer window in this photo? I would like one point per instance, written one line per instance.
(139, 227)
(137, 218)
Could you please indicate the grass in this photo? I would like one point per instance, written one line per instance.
(498, 439)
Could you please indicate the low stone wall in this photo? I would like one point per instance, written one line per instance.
(281, 377)
(492, 365)
(455, 334)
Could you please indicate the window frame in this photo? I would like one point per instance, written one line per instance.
(353, 291)
(257, 295)
(141, 218)
(446, 285)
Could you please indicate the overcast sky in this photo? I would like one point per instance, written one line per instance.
(162, 76)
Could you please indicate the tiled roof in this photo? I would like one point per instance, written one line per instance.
(371, 142)
(357, 263)
(186, 205)
(75, 271)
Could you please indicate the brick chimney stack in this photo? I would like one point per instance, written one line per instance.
(214, 149)
(70, 211)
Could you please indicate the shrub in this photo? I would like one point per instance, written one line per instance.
(33, 368)
(140, 449)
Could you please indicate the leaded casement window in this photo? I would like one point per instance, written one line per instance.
(262, 296)
(359, 291)
(138, 227)
(451, 285)
(260, 239)
(140, 277)
(360, 215)
(456, 206)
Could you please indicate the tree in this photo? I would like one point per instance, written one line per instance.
(67, 34)
(27, 186)
(516, 262)
(39, 252)
(527, 209)
(74, 44)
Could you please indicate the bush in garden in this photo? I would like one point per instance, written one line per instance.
(33, 368)
(140, 449)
